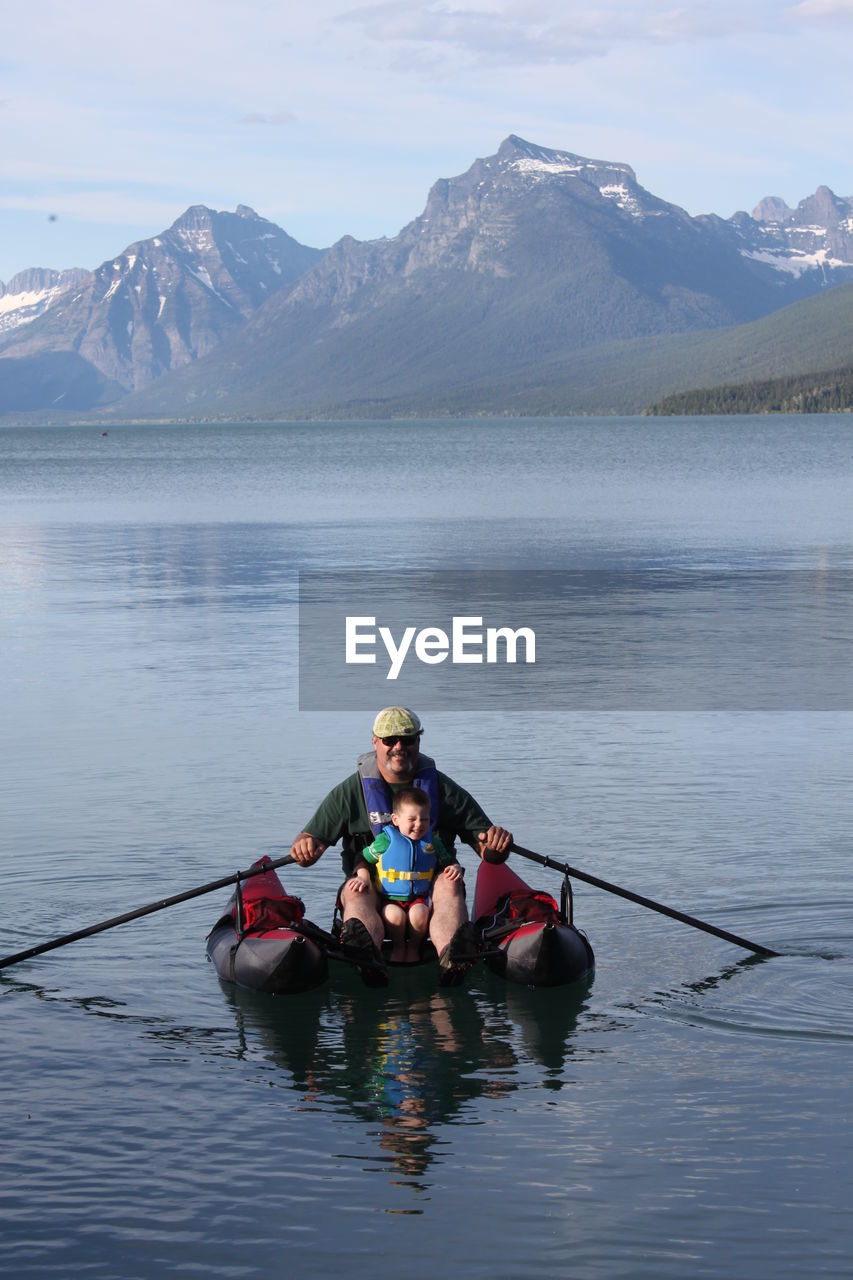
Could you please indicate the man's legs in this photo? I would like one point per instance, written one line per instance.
(363, 905)
(362, 932)
(448, 910)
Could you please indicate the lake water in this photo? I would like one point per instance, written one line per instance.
(688, 1113)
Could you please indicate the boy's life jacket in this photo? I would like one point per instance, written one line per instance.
(405, 869)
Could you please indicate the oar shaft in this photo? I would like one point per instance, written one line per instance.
(660, 907)
(160, 905)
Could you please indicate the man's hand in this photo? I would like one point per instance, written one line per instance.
(494, 844)
(306, 849)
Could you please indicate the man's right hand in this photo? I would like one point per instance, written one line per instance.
(494, 844)
(306, 849)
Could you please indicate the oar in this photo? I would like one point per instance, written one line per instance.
(163, 903)
(644, 902)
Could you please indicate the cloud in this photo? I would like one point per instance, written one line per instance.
(268, 118)
(547, 31)
(824, 11)
(485, 36)
(695, 94)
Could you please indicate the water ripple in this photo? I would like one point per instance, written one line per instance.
(800, 997)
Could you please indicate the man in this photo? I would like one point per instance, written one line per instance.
(356, 811)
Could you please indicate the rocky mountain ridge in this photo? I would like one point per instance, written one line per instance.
(30, 293)
(814, 240)
(529, 256)
(168, 300)
(526, 261)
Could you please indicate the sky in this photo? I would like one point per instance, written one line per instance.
(116, 117)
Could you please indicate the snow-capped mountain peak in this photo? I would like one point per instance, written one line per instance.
(30, 293)
(817, 236)
(614, 181)
(167, 300)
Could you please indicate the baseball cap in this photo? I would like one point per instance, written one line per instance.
(395, 720)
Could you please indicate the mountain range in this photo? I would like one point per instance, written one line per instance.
(537, 281)
(92, 337)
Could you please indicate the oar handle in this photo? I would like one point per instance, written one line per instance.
(160, 905)
(674, 914)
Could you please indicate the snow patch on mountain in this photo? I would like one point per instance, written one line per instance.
(31, 293)
(199, 240)
(28, 298)
(615, 182)
(203, 275)
(546, 168)
(624, 198)
(797, 261)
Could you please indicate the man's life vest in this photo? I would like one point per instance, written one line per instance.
(406, 868)
(377, 793)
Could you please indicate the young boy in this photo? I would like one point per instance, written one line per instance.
(401, 864)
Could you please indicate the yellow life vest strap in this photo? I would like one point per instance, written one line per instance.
(391, 875)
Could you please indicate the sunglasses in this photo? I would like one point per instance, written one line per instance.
(405, 740)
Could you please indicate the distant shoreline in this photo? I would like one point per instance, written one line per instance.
(666, 409)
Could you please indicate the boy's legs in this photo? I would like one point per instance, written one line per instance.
(407, 929)
(418, 922)
(395, 919)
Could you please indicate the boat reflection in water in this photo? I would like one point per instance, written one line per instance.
(412, 1057)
